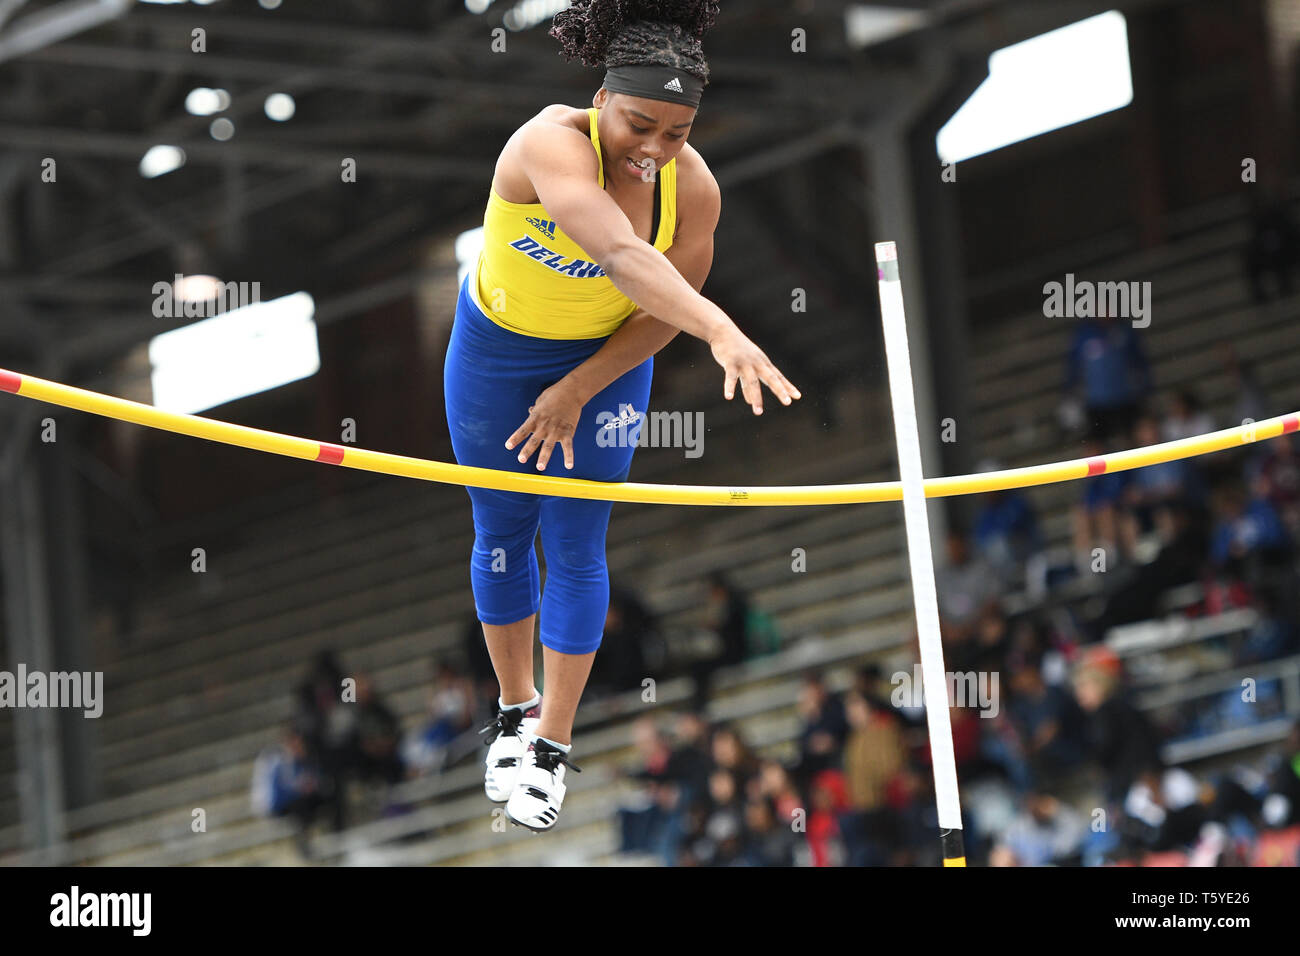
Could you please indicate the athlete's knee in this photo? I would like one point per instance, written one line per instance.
(576, 557)
(574, 537)
(507, 556)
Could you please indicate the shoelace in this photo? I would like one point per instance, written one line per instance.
(505, 722)
(549, 759)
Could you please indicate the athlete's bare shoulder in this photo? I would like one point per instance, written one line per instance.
(697, 189)
(692, 170)
(564, 115)
(509, 180)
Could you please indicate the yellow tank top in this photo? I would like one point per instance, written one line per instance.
(535, 280)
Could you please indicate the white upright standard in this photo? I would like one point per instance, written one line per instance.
(920, 557)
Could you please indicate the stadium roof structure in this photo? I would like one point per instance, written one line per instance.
(414, 93)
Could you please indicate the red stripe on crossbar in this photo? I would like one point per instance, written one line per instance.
(1096, 466)
(330, 454)
(10, 381)
(1290, 423)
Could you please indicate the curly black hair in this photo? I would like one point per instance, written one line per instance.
(637, 33)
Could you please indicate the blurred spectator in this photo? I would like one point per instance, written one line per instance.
(378, 733)
(967, 743)
(1185, 417)
(1163, 810)
(869, 681)
(1035, 638)
(762, 635)
(326, 725)
(287, 782)
(691, 760)
(768, 842)
(683, 793)
(1120, 738)
(824, 729)
(829, 800)
(1047, 722)
(967, 587)
(1273, 634)
(1153, 487)
(1281, 805)
(1274, 475)
(1273, 249)
(1250, 400)
(726, 617)
(1002, 856)
(775, 785)
(1179, 560)
(451, 713)
(643, 815)
(874, 753)
(1248, 540)
(318, 696)
(630, 629)
(1047, 740)
(730, 753)
(911, 797)
(1006, 531)
(1095, 519)
(480, 669)
(1047, 832)
(987, 652)
(1107, 360)
(1234, 798)
(967, 735)
(721, 837)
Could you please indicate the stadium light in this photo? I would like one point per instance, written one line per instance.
(196, 288)
(160, 160)
(280, 107)
(247, 350)
(865, 24)
(202, 101)
(528, 13)
(468, 246)
(1045, 83)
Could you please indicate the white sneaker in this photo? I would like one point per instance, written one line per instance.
(539, 787)
(508, 736)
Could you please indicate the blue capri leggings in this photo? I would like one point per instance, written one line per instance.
(491, 376)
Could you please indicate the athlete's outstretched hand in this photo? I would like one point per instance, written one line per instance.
(742, 359)
(554, 418)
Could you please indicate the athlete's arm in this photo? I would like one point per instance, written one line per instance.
(555, 416)
(562, 168)
(642, 334)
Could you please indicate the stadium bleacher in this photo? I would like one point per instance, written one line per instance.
(206, 680)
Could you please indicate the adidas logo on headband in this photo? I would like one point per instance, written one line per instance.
(653, 82)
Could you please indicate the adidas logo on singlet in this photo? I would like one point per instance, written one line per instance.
(546, 226)
(674, 84)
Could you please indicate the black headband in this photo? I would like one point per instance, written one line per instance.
(655, 83)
